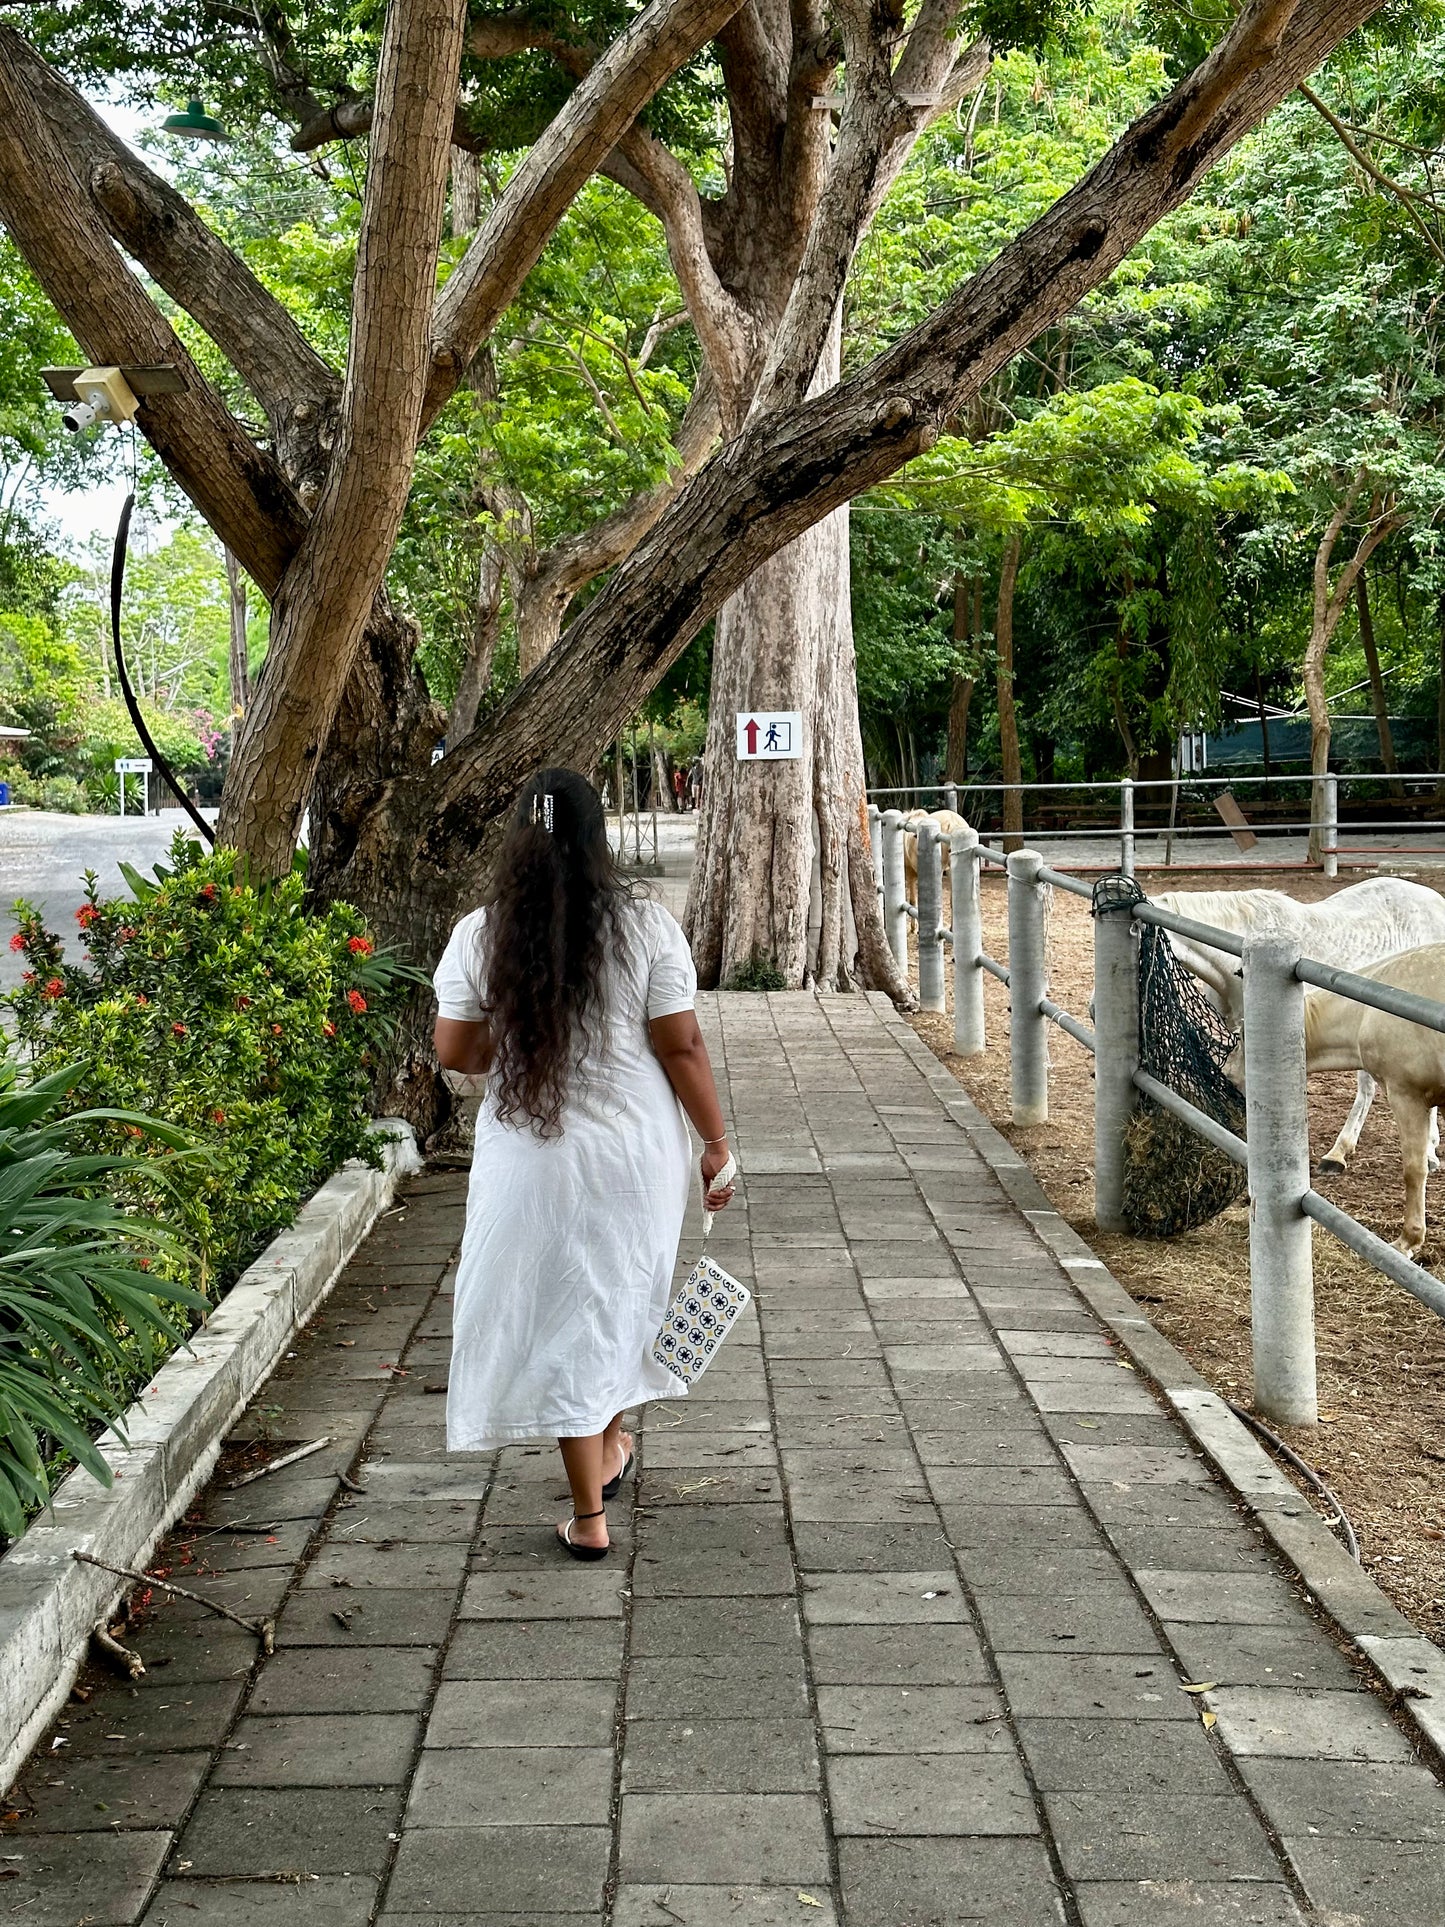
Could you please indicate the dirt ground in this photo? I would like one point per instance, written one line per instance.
(1381, 1438)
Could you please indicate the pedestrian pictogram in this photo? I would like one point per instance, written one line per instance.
(769, 735)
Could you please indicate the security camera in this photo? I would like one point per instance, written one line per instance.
(79, 416)
(101, 395)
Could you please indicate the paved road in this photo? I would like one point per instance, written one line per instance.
(894, 1636)
(44, 857)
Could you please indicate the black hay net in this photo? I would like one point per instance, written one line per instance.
(1173, 1179)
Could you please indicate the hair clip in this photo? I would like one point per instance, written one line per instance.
(542, 809)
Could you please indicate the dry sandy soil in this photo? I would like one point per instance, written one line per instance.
(1381, 1438)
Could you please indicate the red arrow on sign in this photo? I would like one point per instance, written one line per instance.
(750, 730)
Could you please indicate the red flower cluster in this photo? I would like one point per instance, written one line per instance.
(86, 915)
(360, 946)
(125, 933)
(179, 1029)
(243, 1003)
(275, 1030)
(17, 942)
(218, 1117)
(328, 1028)
(27, 976)
(356, 1001)
(141, 998)
(207, 893)
(53, 989)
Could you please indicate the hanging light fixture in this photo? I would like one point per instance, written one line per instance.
(195, 124)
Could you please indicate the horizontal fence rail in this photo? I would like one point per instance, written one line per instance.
(1117, 797)
(1275, 1149)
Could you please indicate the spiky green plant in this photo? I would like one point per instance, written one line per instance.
(79, 1310)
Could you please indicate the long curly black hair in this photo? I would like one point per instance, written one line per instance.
(552, 922)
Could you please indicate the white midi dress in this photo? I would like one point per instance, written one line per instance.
(567, 1259)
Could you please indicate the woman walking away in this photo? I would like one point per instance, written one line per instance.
(575, 998)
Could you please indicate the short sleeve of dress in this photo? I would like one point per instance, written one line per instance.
(671, 976)
(458, 994)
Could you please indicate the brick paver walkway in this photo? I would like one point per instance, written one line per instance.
(895, 1633)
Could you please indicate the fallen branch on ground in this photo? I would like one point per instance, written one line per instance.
(264, 1629)
(287, 1458)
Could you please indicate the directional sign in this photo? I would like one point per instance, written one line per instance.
(133, 765)
(769, 735)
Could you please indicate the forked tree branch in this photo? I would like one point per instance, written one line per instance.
(659, 41)
(160, 229)
(883, 115)
(721, 326)
(555, 577)
(788, 470)
(240, 490)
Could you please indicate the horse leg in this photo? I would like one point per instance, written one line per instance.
(1432, 1153)
(1412, 1118)
(1343, 1148)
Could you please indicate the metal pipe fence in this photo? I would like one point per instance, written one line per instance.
(1321, 818)
(1275, 1149)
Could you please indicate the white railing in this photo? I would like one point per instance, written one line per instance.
(974, 799)
(1275, 1150)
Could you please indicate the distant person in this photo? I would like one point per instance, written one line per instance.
(679, 788)
(574, 997)
(694, 785)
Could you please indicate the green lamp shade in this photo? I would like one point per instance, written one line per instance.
(195, 124)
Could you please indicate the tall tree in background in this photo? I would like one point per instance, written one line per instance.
(340, 718)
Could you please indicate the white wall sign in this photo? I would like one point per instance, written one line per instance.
(769, 735)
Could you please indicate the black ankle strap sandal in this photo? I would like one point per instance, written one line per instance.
(564, 1537)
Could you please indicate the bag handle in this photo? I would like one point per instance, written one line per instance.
(725, 1176)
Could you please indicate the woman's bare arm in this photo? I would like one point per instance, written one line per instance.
(680, 1049)
(464, 1047)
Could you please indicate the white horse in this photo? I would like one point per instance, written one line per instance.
(947, 822)
(1353, 930)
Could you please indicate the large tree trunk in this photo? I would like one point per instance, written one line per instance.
(785, 641)
(1008, 727)
(748, 901)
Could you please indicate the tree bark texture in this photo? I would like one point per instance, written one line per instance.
(1008, 728)
(327, 593)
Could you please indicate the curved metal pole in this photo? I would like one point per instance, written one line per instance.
(148, 742)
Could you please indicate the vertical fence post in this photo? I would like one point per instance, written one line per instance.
(895, 896)
(1126, 826)
(1028, 978)
(930, 915)
(950, 797)
(1281, 1255)
(1330, 825)
(1116, 1047)
(875, 845)
(968, 1025)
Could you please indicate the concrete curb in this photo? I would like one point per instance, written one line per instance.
(1411, 1666)
(48, 1601)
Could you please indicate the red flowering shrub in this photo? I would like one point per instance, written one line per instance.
(234, 1013)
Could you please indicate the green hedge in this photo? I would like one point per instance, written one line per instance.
(231, 1012)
